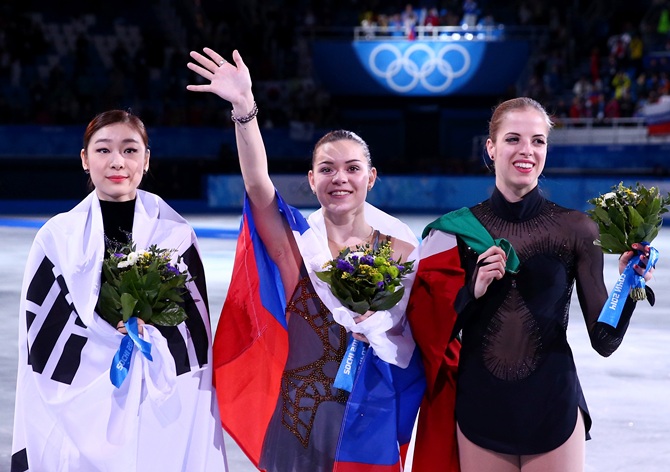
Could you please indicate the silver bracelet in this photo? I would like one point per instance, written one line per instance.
(246, 118)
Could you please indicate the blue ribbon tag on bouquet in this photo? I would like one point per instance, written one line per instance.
(121, 361)
(344, 380)
(629, 279)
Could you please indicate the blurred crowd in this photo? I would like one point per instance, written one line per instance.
(63, 62)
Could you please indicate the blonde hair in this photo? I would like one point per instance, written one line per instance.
(513, 104)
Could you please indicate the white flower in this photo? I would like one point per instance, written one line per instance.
(130, 260)
(607, 196)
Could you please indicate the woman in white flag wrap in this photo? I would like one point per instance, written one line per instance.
(307, 428)
(69, 416)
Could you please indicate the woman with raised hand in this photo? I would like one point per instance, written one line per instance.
(283, 335)
(95, 392)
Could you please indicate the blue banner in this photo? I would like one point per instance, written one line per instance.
(627, 281)
(419, 68)
(344, 380)
(121, 361)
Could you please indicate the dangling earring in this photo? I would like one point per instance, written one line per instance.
(86, 171)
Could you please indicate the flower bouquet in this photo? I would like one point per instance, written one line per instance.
(366, 279)
(363, 280)
(144, 284)
(139, 285)
(625, 216)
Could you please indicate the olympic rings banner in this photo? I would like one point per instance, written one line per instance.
(419, 68)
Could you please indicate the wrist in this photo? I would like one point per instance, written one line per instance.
(244, 105)
(243, 119)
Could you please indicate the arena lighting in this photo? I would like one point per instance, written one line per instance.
(469, 36)
(456, 36)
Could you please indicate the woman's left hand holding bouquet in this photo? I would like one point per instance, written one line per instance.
(358, 319)
(121, 326)
(643, 251)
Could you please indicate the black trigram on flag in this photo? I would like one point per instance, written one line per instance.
(57, 334)
(56, 331)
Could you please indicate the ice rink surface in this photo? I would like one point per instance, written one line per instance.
(628, 393)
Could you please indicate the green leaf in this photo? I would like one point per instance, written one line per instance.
(144, 311)
(612, 245)
(616, 233)
(601, 215)
(617, 219)
(128, 303)
(388, 301)
(109, 304)
(326, 276)
(634, 218)
(172, 315)
(646, 232)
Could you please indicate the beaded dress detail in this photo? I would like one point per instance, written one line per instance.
(304, 388)
(304, 430)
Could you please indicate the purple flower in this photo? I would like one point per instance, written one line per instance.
(368, 260)
(119, 255)
(380, 284)
(400, 268)
(172, 269)
(345, 266)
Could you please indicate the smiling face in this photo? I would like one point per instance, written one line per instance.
(518, 149)
(117, 157)
(341, 176)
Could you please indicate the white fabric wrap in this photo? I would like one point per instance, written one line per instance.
(387, 331)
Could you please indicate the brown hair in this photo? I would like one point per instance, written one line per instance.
(339, 135)
(519, 103)
(112, 117)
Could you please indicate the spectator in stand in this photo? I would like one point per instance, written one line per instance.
(594, 63)
(620, 83)
(577, 108)
(562, 110)
(395, 25)
(626, 104)
(470, 12)
(409, 20)
(636, 53)
(582, 87)
(432, 18)
(612, 109)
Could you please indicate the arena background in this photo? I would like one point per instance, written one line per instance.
(420, 96)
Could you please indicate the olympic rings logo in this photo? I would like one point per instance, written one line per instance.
(419, 63)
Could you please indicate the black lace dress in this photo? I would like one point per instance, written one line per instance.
(518, 390)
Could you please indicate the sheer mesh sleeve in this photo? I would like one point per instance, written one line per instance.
(592, 292)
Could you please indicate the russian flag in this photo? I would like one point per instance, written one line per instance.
(657, 116)
(251, 333)
(380, 416)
